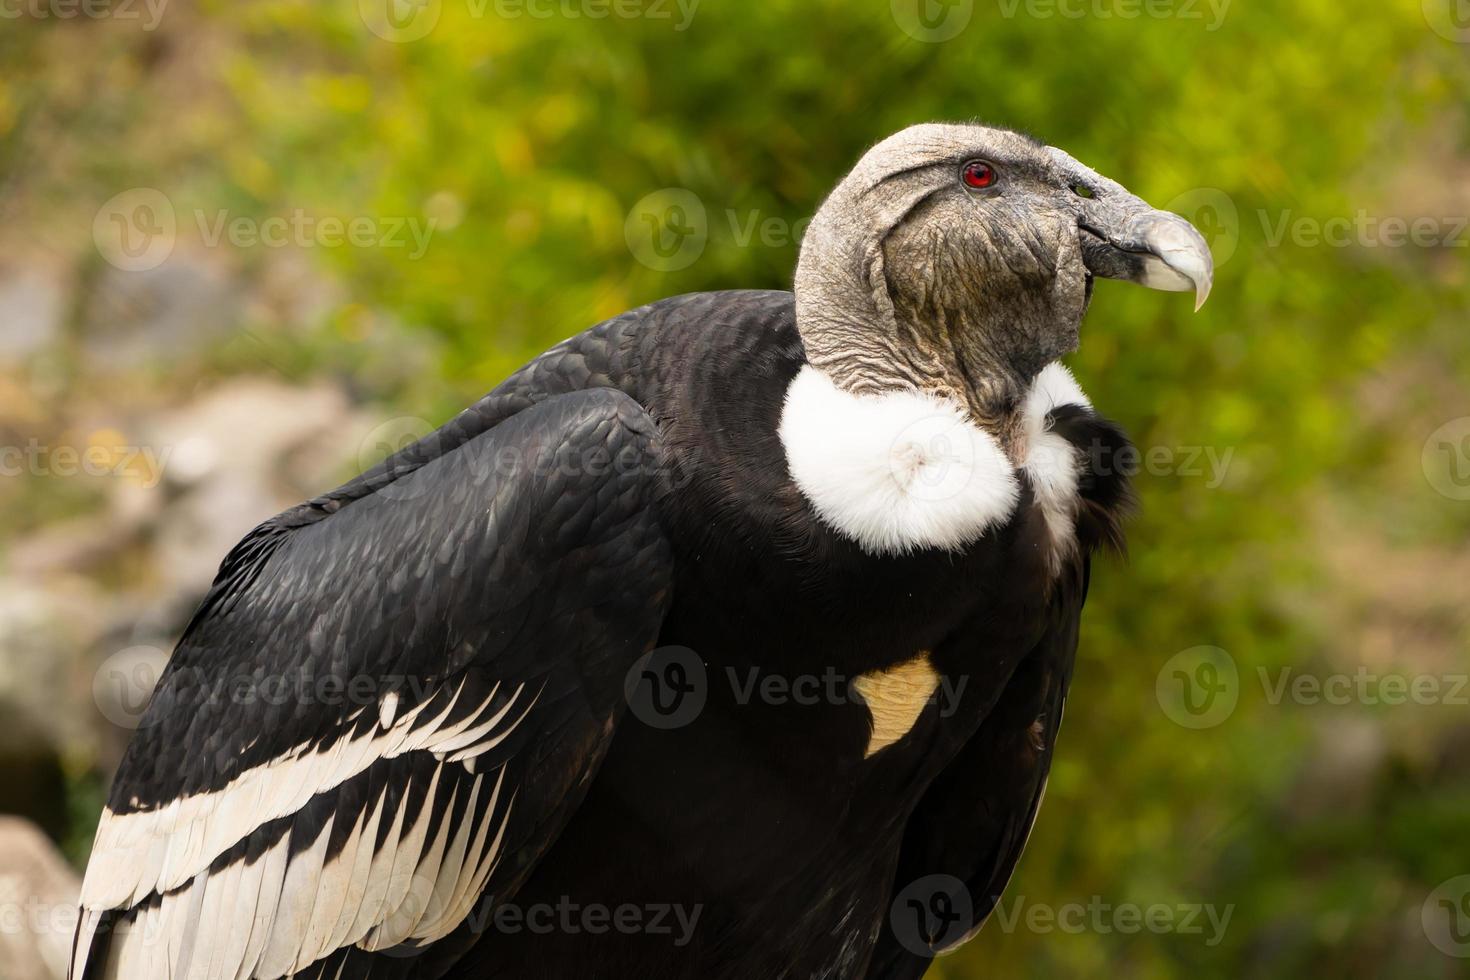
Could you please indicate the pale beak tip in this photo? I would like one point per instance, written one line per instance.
(1201, 293)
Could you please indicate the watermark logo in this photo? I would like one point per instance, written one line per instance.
(1450, 19)
(1363, 687)
(150, 12)
(668, 229)
(1363, 229)
(678, 12)
(1214, 215)
(403, 21)
(298, 228)
(400, 21)
(932, 21)
(107, 453)
(1445, 917)
(1446, 459)
(671, 922)
(1211, 13)
(1210, 463)
(932, 913)
(933, 458)
(667, 688)
(380, 447)
(670, 687)
(123, 685)
(1198, 687)
(136, 230)
(1103, 917)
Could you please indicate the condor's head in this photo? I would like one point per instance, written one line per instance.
(960, 259)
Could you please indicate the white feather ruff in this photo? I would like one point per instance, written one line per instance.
(897, 471)
(909, 470)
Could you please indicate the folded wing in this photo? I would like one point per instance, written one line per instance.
(387, 707)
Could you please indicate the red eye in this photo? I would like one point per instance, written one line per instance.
(978, 174)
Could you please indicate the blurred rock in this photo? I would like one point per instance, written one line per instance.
(45, 634)
(82, 544)
(158, 314)
(34, 302)
(38, 895)
(91, 606)
(32, 780)
(293, 291)
(233, 458)
(1343, 767)
(1452, 755)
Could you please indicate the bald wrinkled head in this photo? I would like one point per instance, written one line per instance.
(960, 258)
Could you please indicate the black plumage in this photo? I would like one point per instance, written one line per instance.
(402, 712)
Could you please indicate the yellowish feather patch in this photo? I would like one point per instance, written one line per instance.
(895, 698)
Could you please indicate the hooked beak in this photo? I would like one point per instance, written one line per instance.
(1123, 238)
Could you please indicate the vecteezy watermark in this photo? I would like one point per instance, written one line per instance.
(936, 912)
(1214, 214)
(1446, 459)
(667, 230)
(1097, 915)
(1219, 220)
(679, 13)
(936, 458)
(670, 687)
(754, 685)
(301, 229)
(932, 21)
(1364, 230)
(381, 446)
(402, 21)
(667, 687)
(149, 12)
(389, 455)
(137, 230)
(1450, 19)
(27, 915)
(1210, 12)
(1210, 462)
(931, 913)
(568, 917)
(124, 683)
(127, 681)
(106, 455)
(1445, 916)
(1364, 687)
(1198, 687)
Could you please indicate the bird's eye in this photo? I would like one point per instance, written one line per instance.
(978, 174)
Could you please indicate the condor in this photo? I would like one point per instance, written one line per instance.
(882, 476)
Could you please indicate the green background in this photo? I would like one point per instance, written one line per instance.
(1318, 369)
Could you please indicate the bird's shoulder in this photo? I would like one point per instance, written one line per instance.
(676, 358)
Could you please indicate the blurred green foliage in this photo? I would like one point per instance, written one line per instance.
(528, 140)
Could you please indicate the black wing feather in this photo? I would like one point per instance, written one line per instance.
(973, 821)
(485, 591)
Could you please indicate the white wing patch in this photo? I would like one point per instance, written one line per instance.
(895, 699)
(276, 915)
(1051, 461)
